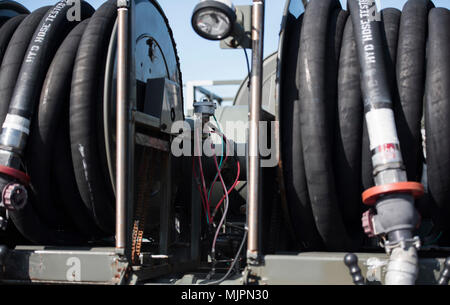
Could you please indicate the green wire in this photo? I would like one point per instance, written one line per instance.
(434, 240)
(221, 157)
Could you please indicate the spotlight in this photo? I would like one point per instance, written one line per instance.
(214, 19)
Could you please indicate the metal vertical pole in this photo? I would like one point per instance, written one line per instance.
(122, 132)
(255, 112)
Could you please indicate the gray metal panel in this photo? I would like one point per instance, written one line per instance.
(324, 268)
(64, 266)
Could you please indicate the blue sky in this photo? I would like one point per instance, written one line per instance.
(204, 60)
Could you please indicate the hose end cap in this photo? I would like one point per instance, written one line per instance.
(367, 223)
(14, 197)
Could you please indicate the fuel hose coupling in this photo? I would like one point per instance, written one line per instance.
(13, 187)
(394, 216)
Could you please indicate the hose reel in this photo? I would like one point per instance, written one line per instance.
(69, 100)
(327, 161)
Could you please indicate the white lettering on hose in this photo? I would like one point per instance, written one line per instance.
(41, 35)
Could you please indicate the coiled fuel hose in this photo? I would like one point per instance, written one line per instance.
(327, 160)
(54, 176)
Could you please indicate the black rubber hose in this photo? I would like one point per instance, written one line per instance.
(414, 48)
(390, 24)
(11, 9)
(48, 36)
(13, 58)
(375, 88)
(411, 67)
(65, 186)
(315, 131)
(297, 195)
(350, 116)
(85, 102)
(53, 115)
(366, 160)
(335, 32)
(29, 83)
(41, 50)
(437, 113)
(32, 228)
(14, 6)
(7, 31)
(389, 28)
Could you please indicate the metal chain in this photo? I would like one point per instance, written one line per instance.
(140, 215)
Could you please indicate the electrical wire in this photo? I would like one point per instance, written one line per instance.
(248, 67)
(234, 262)
(221, 157)
(213, 249)
(226, 198)
(204, 188)
(436, 239)
(236, 182)
(200, 191)
(220, 170)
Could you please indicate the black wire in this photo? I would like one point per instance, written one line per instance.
(234, 262)
(248, 67)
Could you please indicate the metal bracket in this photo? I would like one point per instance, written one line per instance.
(241, 37)
(404, 244)
(123, 3)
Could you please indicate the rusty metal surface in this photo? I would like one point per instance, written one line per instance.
(65, 266)
(148, 141)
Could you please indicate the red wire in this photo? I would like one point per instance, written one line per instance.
(224, 161)
(220, 171)
(236, 182)
(205, 192)
(200, 191)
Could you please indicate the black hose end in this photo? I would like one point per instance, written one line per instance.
(14, 196)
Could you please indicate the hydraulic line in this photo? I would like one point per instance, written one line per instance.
(14, 6)
(86, 124)
(7, 31)
(396, 216)
(349, 134)
(410, 76)
(13, 58)
(50, 32)
(437, 111)
(299, 204)
(53, 103)
(315, 56)
(51, 129)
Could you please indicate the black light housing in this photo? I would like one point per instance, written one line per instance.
(214, 19)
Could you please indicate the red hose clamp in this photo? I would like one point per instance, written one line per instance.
(16, 174)
(371, 195)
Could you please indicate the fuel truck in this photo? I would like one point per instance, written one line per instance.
(330, 166)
